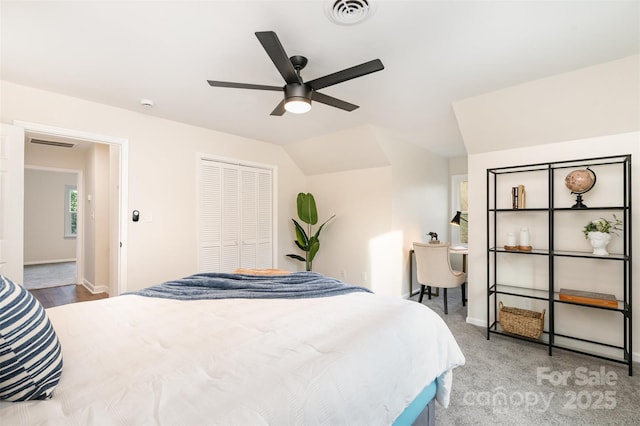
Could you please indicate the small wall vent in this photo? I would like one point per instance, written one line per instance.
(53, 143)
(348, 12)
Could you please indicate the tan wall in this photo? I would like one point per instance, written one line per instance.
(162, 175)
(44, 205)
(595, 101)
(420, 190)
(361, 201)
(96, 208)
(379, 210)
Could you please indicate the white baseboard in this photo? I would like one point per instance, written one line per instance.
(94, 289)
(43, 262)
(476, 321)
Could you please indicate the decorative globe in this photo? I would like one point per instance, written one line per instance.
(580, 181)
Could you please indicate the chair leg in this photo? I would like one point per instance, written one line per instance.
(464, 294)
(421, 293)
(429, 292)
(446, 311)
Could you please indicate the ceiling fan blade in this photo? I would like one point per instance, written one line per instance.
(279, 109)
(334, 102)
(243, 85)
(346, 74)
(272, 45)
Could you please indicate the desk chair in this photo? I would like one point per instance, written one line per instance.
(433, 269)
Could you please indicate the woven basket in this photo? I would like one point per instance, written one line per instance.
(521, 321)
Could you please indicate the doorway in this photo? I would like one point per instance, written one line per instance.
(109, 155)
(52, 235)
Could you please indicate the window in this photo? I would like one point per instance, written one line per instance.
(70, 211)
(459, 202)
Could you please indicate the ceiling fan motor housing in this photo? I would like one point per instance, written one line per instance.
(302, 92)
(298, 62)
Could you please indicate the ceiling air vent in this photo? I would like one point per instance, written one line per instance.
(53, 143)
(348, 12)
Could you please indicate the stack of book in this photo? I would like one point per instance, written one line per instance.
(517, 197)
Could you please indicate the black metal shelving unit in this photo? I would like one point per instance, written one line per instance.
(553, 211)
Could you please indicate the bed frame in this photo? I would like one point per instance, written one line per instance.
(421, 412)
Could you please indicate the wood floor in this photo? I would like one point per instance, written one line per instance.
(63, 295)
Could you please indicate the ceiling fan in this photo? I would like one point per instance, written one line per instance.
(297, 93)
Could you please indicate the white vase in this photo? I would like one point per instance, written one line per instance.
(599, 241)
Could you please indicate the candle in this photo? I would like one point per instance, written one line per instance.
(524, 237)
(511, 239)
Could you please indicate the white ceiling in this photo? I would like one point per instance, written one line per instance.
(434, 52)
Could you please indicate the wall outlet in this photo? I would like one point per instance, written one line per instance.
(364, 277)
(343, 273)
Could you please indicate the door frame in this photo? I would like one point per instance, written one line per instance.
(118, 238)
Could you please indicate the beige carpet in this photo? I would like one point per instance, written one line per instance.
(506, 381)
(49, 275)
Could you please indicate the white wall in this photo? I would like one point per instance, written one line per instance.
(162, 159)
(458, 166)
(594, 101)
(361, 201)
(44, 206)
(380, 211)
(97, 224)
(350, 149)
(49, 156)
(162, 174)
(420, 190)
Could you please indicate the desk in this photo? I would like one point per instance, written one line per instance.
(464, 251)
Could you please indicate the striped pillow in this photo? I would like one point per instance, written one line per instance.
(30, 354)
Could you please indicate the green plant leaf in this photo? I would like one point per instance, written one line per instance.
(305, 248)
(302, 240)
(297, 257)
(307, 213)
(307, 210)
(314, 246)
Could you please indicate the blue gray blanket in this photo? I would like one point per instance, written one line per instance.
(297, 285)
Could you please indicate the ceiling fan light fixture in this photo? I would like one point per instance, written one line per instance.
(297, 105)
(297, 98)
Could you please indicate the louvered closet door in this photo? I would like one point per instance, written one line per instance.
(210, 216)
(235, 217)
(230, 219)
(256, 207)
(264, 250)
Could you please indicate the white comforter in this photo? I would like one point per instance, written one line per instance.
(352, 359)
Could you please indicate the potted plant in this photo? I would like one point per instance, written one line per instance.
(598, 232)
(308, 243)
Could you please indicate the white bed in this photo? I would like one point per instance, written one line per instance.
(357, 358)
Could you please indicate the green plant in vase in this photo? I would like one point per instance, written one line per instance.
(308, 243)
(598, 232)
(603, 225)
